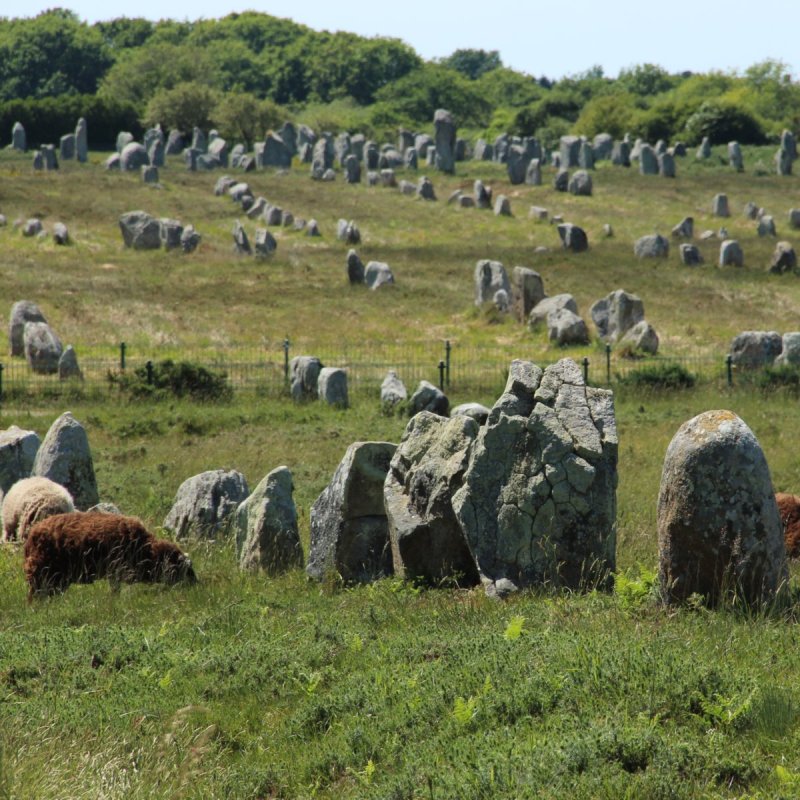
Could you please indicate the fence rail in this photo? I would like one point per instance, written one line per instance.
(264, 367)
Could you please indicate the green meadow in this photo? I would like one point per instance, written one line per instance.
(258, 688)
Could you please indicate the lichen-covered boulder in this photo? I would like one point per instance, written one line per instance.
(393, 390)
(616, 313)
(790, 351)
(565, 327)
(140, 231)
(378, 274)
(428, 397)
(641, 338)
(205, 504)
(756, 349)
(427, 468)
(18, 450)
(538, 500)
(332, 386)
(64, 457)
(573, 237)
(21, 312)
(489, 277)
(719, 530)
(349, 530)
(527, 289)
(477, 411)
(266, 526)
(652, 246)
(542, 310)
(304, 377)
(42, 347)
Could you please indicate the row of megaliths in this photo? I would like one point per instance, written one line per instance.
(71, 145)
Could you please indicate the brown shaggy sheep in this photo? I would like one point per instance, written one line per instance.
(789, 508)
(83, 547)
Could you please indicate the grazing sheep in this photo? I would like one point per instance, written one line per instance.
(30, 500)
(82, 547)
(789, 509)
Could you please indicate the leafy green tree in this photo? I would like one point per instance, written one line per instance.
(51, 54)
(611, 113)
(723, 122)
(183, 107)
(473, 63)
(416, 96)
(143, 71)
(125, 32)
(646, 80)
(244, 118)
(505, 87)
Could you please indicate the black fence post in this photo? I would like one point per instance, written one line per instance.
(122, 356)
(286, 360)
(729, 366)
(441, 375)
(149, 367)
(447, 349)
(1, 381)
(586, 371)
(608, 364)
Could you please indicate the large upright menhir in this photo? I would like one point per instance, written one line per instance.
(445, 136)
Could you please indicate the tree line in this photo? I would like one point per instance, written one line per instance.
(246, 73)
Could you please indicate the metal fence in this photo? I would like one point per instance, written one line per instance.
(264, 368)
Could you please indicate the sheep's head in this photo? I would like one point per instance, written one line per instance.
(171, 565)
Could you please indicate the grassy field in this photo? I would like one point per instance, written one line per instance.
(247, 687)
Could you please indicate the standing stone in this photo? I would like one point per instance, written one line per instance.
(489, 277)
(304, 371)
(704, 151)
(621, 154)
(410, 159)
(64, 457)
(377, 274)
(218, 151)
(341, 148)
(18, 139)
(561, 180)
(580, 184)
(517, 164)
(502, 206)
(199, 141)
(766, 226)
(641, 338)
(755, 349)
(483, 195)
(684, 229)
(483, 151)
(42, 348)
(533, 175)
(140, 231)
(790, 353)
(205, 505)
(719, 206)
(174, 145)
(428, 397)
(190, 239)
(190, 158)
(393, 390)
(352, 169)
(690, 255)
(349, 530)
(750, 210)
(332, 386)
(371, 155)
(38, 160)
(652, 246)
(267, 538)
(783, 162)
(347, 231)
(428, 466)
(155, 153)
(527, 290)
(542, 310)
(17, 453)
(430, 159)
(586, 156)
(124, 138)
(305, 136)
(288, 135)
(445, 128)
(49, 156)
(241, 244)
(784, 259)
(68, 365)
(355, 268)
(789, 143)
(573, 237)
(719, 530)
(538, 503)
(405, 140)
(569, 149)
(60, 233)
(648, 161)
(566, 328)
(425, 189)
(66, 146)
(735, 156)
(273, 152)
(500, 148)
(616, 314)
(264, 243)
(32, 227)
(602, 146)
(133, 157)
(149, 174)
(731, 254)
(666, 165)
(21, 312)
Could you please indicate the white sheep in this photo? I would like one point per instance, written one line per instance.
(29, 501)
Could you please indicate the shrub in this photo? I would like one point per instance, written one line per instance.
(168, 379)
(659, 376)
(724, 122)
(785, 376)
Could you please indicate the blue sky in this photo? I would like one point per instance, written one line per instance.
(552, 38)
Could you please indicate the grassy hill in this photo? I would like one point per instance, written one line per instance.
(247, 687)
